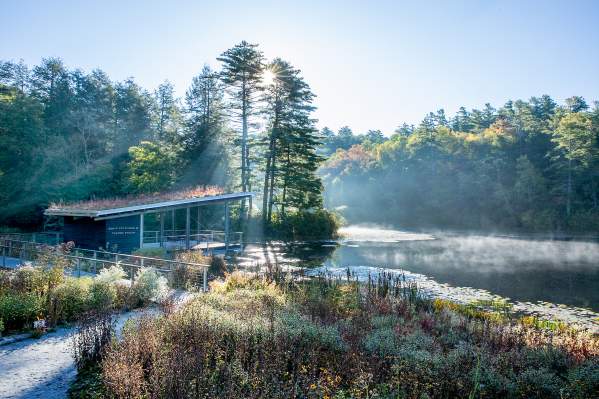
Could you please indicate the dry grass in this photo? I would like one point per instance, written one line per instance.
(254, 338)
(140, 199)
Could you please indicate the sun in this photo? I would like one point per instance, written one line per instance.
(268, 77)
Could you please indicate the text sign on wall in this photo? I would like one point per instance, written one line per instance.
(123, 233)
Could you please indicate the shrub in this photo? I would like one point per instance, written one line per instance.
(584, 381)
(218, 266)
(28, 279)
(19, 309)
(1, 327)
(103, 296)
(307, 225)
(111, 275)
(124, 295)
(37, 279)
(70, 299)
(149, 286)
(181, 277)
(93, 334)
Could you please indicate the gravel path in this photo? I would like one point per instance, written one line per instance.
(44, 368)
(37, 368)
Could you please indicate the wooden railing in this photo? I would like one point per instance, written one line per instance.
(89, 262)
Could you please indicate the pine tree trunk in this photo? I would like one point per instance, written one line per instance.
(569, 189)
(285, 180)
(244, 135)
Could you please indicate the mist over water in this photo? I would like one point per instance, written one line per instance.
(555, 279)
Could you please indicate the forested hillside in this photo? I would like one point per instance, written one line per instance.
(529, 165)
(67, 134)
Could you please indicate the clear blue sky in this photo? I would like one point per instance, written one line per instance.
(373, 64)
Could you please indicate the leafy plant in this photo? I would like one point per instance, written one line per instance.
(149, 286)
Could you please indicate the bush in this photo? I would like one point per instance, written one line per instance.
(1, 327)
(149, 286)
(103, 296)
(319, 224)
(111, 275)
(584, 381)
(20, 309)
(93, 334)
(70, 299)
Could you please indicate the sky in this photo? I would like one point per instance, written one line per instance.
(372, 64)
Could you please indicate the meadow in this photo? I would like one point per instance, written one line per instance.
(278, 337)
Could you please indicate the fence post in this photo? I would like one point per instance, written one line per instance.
(116, 258)
(141, 262)
(33, 237)
(9, 247)
(95, 261)
(78, 267)
(3, 256)
(205, 280)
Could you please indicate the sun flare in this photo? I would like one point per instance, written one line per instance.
(268, 77)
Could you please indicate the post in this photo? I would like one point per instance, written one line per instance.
(95, 261)
(3, 255)
(198, 225)
(141, 230)
(161, 240)
(187, 226)
(226, 226)
(33, 237)
(250, 207)
(57, 237)
(205, 280)
(173, 222)
(78, 267)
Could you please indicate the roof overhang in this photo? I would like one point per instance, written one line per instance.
(146, 208)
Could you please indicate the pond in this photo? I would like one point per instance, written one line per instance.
(550, 278)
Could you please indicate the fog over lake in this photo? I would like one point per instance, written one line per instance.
(535, 275)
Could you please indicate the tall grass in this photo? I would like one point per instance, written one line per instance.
(272, 337)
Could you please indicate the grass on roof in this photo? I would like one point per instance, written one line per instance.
(140, 199)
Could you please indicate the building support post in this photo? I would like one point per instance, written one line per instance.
(187, 226)
(227, 226)
(161, 238)
(173, 231)
(198, 225)
(141, 230)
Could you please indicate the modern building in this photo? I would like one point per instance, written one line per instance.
(122, 224)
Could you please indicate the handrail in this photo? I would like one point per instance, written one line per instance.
(34, 247)
(116, 253)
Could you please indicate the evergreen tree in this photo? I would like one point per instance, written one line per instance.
(292, 139)
(242, 73)
(204, 141)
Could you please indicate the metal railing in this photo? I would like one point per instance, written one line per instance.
(177, 238)
(43, 237)
(90, 262)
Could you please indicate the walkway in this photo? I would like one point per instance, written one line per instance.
(44, 368)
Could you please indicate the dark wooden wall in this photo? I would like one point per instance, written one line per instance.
(85, 232)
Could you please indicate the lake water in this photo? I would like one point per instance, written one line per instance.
(554, 279)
